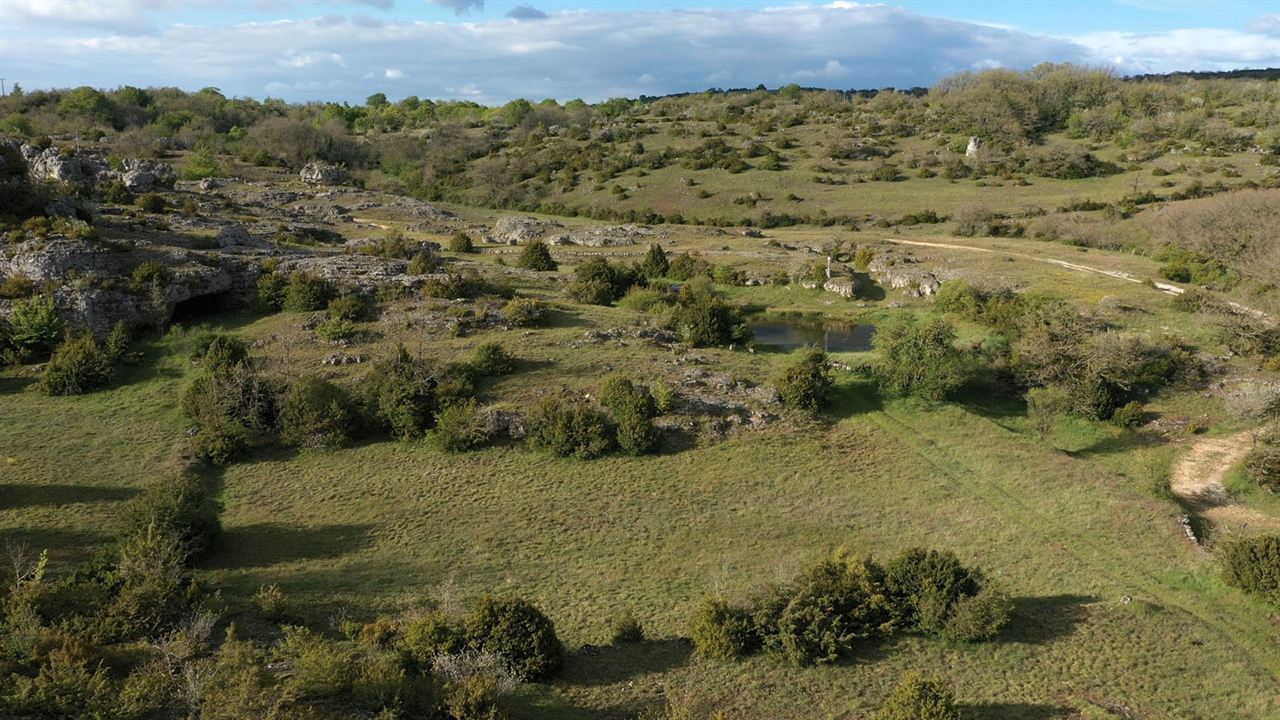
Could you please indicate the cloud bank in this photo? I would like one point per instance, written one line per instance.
(588, 54)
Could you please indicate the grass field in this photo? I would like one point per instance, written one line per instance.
(1116, 614)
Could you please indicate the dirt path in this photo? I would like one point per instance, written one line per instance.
(1197, 480)
(1119, 275)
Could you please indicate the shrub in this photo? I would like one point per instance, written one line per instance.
(271, 291)
(569, 428)
(180, 504)
(458, 428)
(152, 203)
(1129, 415)
(655, 263)
(832, 606)
(1263, 464)
(916, 698)
(423, 263)
(320, 668)
(920, 359)
(119, 345)
(721, 631)
(237, 394)
(491, 359)
(474, 697)
(625, 629)
(1253, 565)
(306, 292)
(980, 617)
(806, 384)
(424, 638)
(1044, 405)
(703, 318)
(148, 274)
(664, 397)
(926, 584)
(315, 413)
(347, 307)
(518, 632)
(687, 266)
(461, 243)
(34, 326)
(221, 441)
(645, 299)
(635, 433)
(598, 282)
(526, 312)
(200, 164)
(536, 256)
(400, 394)
(218, 352)
(78, 366)
(17, 286)
(335, 329)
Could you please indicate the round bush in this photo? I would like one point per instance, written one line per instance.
(570, 428)
(916, 698)
(806, 383)
(220, 442)
(518, 632)
(924, 585)
(34, 326)
(461, 243)
(306, 292)
(1129, 415)
(721, 631)
(425, 637)
(315, 413)
(835, 604)
(492, 359)
(459, 428)
(536, 256)
(1253, 565)
(78, 366)
(526, 312)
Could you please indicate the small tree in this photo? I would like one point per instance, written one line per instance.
(806, 383)
(920, 358)
(315, 413)
(34, 326)
(655, 263)
(306, 292)
(516, 630)
(916, 698)
(1044, 406)
(1253, 565)
(79, 365)
(536, 256)
(461, 243)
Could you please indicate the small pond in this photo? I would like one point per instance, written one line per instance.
(788, 333)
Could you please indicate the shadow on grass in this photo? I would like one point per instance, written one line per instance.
(266, 544)
(537, 703)
(610, 664)
(862, 395)
(1014, 711)
(19, 495)
(61, 544)
(1037, 620)
(14, 383)
(1123, 442)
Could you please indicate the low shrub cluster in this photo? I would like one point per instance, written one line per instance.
(537, 256)
(526, 312)
(1263, 462)
(806, 383)
(836, 605)
(81, 364)
(1253, 565)
(599, 282)
(920, 357)
(704, 318)
(570, 427)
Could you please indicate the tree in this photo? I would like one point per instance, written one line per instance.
(655, 263)
(702, 317)
(806, 383)
(916, 698)
(315, 413)
(516, 630)
(536, 256)
(920, 358)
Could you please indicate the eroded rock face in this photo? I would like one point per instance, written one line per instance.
(517, 230)
(144, 175)
(322, 173)
(606, 236)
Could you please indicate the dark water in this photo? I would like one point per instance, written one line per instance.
(790, 333)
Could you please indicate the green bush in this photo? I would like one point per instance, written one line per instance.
(924, 585)
(180, 504)
(461, 243)
(458, 428)
(625, 629)
(336, 329)
(119, 344)
(401, 395)
(645, 299)
(518, 632)
(599, 282)
(315, 413)
(221, 441)
(201, 164)
(703, 318)
(1263, 463)
(237, 394)
(1253, 565)
(148, 274)
(219, 353)
(569, 428)
(916, 698)
(806, 383)
(425, 637)
(721, 631)
(34, 326)
(633, 410)
(536, 256)
(526, 312)
(1130, 415)
(655, 263)
(492, 359)
(319, 668)
(833, 606)
(920, 358)
(474, 697)
(271, 292)
(306, 292)
(976, 618)
(78, 366)
(152, 202)
(17, 286)
(423, 263)
(687, 266)
(347, 307)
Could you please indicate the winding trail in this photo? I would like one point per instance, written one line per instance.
(1197, 481)
(1118, 274)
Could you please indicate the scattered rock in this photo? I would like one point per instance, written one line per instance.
(322, 173)
(343, 359)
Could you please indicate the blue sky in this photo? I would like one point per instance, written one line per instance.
(493, 50)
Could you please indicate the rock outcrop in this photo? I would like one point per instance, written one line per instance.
(322, 173)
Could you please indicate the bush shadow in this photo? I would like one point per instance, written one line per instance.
(19, 495)
(266, 544)
(61, 544)
(1037, 620)
(10, 384)
(1015, 711)
(595, 665)
(862, 395)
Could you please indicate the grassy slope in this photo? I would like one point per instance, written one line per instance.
(386, 525)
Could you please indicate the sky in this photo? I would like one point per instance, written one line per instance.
(492, 51)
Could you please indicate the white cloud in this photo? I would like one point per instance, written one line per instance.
(1267, 24)
(588, 53)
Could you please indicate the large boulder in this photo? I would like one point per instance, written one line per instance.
(322, 173)
(144, 175)
(517, 230)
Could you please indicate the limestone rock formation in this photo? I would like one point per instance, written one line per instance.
(322, 173)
